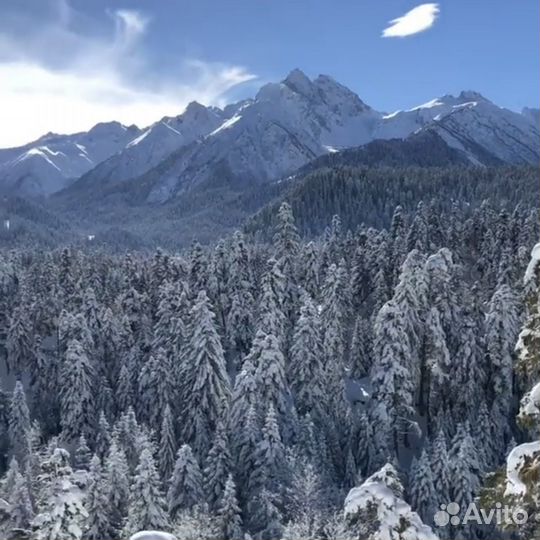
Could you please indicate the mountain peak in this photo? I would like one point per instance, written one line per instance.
(102, 129)
(471, 95)
(297, 80)
(194, 106)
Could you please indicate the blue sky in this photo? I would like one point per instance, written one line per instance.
(66, 64)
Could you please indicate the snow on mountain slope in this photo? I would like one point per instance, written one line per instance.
(156, 142)
(480, 128)
(472, 124)
(51, 162)
(285, 126)
(401, 124)
(259, 140)
(292, 122)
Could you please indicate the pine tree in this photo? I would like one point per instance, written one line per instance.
(333, 318)
(239, 325)
(245, 443)
(465, 471)
(82, 454)
(468, 380)
(271, 317)
(117, 477)
(306, 368)
(244, 396)
(198, 272)
(124, 389)
(167, 445)
(155, 388)
(286, 241)
(391, 378)
(360, 354)
(270, 455)
(21, 512)
(308, 271)
(417, 237)
(102, 436)
(128, 430)
(411, 294)
(501, 334)
(7, 485)
(19, 345)
(305, 493)
(19, 425)
(186, 483)
(422, 490)
(274, 390)
(97, 525)
(44, 387)
(440, 466)
(77, 392)
(205, 383)
(443, 294)
(229, 513)
(397, 242)
(437, 369)
(265, 517)
(146, 504)
(218, 466)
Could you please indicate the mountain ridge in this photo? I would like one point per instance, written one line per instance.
(284, 127)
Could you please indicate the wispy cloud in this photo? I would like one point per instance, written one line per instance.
(414, 21)
(100, 74)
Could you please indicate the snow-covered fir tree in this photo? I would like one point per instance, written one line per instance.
(186, 488)
(146, 509)
(205, 385)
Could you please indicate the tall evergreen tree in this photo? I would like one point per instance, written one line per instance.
(218, 466)
(422, 490)
(77, 392)
(19, 425)
(186, 483)
(118, 478)
(306, 368)
(229, 513)
(167, 445)
(391, 378)
(146, 503)
(98, 524)
(205, 383)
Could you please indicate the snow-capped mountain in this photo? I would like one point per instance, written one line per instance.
(485, 131)
(52, 161)
(290, 123)
(471, 123)
(285, 126)
(156, 142)
(401, 124)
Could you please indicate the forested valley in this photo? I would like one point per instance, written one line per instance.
(248, 387)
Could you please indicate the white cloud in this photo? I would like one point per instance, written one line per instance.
(414, 21)
(99, 77)
(130, 24)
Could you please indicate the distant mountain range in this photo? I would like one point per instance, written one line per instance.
(205, 172)
(54, 161)
(285, 126)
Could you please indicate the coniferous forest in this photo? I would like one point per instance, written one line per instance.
(339, 388)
